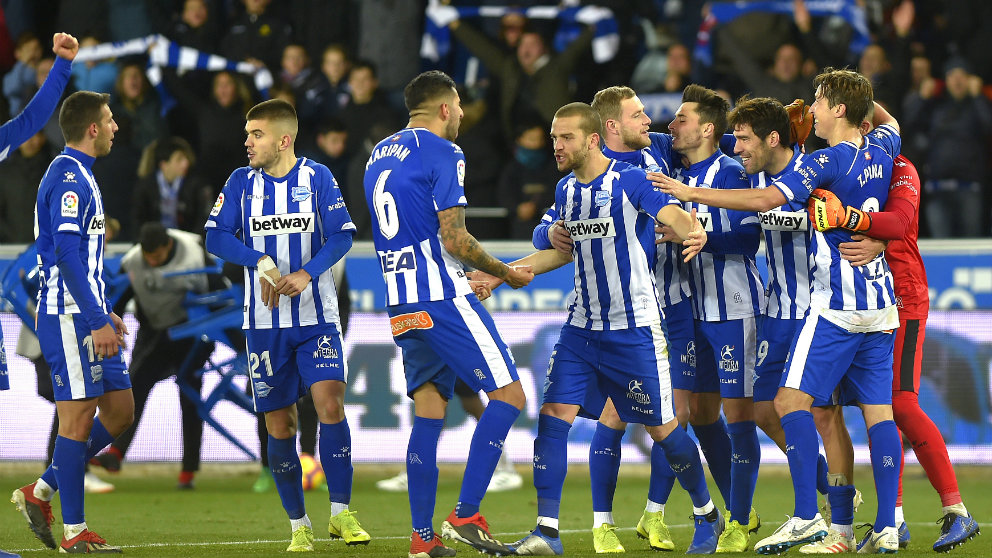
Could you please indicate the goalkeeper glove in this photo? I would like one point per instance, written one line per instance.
(827, 212)
(800, 121)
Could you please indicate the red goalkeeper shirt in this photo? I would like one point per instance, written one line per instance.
(899, 222)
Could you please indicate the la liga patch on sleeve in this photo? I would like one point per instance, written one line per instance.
(217, 205)
(70, 204)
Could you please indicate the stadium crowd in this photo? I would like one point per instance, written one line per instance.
(927, 61)
(720, 366)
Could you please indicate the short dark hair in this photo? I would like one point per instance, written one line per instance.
(364, 64)
(331, 124)
(764, 115)
(152, 236)
(275, 110)
(589, 120)
(849, 88)
(164, 149)
(79, 110)
(426, 87)
(710, 107)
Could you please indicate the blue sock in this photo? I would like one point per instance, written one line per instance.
(801, 447)
(886, 453)
(69, 462)
(842, 504)
(335, 458)
(683, 455)
(483, 455)
(744, 468)
(715, 443)
(285, 465)
(421, 473)
(550, 463)
(604, 466)
(99, 439)
(662, 478)
(822, 486)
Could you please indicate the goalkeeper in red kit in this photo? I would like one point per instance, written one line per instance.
(895, 229)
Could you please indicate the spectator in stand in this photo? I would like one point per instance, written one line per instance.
(368, 104)
(960, 119)
(887, 64)
(318, 23)
(128, 19)
(782, 81)
(195, 27)
(296, 71)
(135, 105)
(532, 80)
(167, 192)
(22, 173)
(220, 124)
(93, 75)
(327, 93)
(527, 183)
(679, 68)
(328, 149)
(257, 36)
(389, 35)
(19, 83)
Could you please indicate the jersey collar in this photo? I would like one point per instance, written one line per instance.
(78, 155)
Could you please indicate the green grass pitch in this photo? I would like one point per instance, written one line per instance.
(222, 517)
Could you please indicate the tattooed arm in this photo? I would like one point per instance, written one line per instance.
(461, 244)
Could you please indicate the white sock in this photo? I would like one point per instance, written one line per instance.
(956, 508)
(301, 522)
(43, 491)
(599, 518)
(71, 531)
(548, 522)
(654, 507)
(900, 518)
(338, 507)
(846, 530)
(705, 509)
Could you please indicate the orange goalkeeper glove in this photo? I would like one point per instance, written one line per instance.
(800, 121)
(827, 212)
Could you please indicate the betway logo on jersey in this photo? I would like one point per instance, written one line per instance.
(588, 229)
(98, 225)
(285, 223)
(791, 221)
(706, 220)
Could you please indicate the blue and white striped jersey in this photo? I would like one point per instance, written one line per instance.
(289, 219)
(859, 176)
(787, 250)
(410, 177)
(724, 278)
(671, 275)
(611, 222)
(69, 201)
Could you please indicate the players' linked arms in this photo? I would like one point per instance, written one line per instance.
(862, 249)
(827, 212)
(462, 245)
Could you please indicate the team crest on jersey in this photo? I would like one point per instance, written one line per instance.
(301, 193)
(217, 205)
(867, 156)
(70, 204)
(602, 198)
(460, 169)
(97, 226)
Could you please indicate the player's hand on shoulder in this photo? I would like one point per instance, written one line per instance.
(518, 275)
(293, 284)
(862, 249)
(696, 240)
(670, 186)
(560, 238)
(65, 46)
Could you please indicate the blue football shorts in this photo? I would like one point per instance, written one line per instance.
(446, 339)
(824, 356)
(77, 373)
(630, 366)
(725, 357)
(284, 362)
